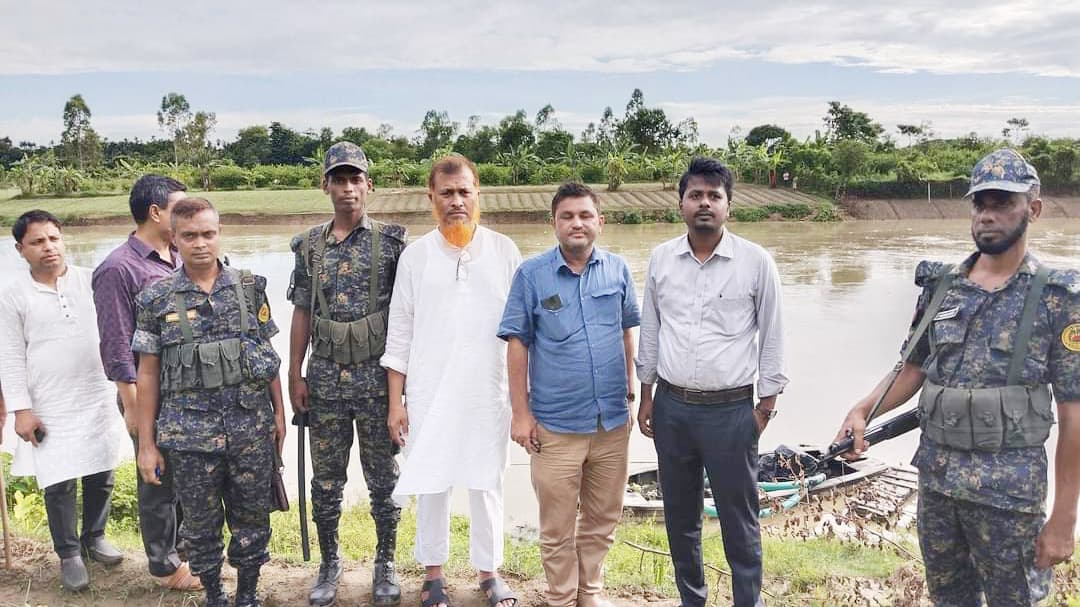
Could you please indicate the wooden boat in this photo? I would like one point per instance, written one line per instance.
(643, 497)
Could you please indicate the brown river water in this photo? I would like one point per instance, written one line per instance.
(848, 298)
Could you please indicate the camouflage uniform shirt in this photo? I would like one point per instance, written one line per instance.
(973, 348)
(205, 420)
(344, 276)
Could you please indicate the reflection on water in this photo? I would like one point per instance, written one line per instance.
(848, 297)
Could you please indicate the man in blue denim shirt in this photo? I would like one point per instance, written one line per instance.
(567, 320)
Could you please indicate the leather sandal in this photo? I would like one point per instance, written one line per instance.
(496, 591)
(436, 591)
(181, 579)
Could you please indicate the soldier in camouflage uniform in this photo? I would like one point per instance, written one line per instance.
(203, 339)
(341, 288)
(1003, 328)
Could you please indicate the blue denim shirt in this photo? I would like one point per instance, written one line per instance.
(573, 326)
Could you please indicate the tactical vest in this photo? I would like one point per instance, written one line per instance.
(347, 343)
(987, 419)
(193, 365)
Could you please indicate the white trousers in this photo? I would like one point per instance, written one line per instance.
(485, 529)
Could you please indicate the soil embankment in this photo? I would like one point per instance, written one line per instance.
(944, 208)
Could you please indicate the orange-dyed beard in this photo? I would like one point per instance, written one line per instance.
(459, 234)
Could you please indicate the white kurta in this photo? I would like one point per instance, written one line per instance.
(50, 363)
(441, 335)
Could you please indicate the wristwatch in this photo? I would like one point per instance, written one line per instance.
(769, 413)
(631, 397)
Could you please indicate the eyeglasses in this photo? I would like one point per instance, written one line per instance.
(463, 270)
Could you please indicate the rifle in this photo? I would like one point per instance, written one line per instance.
(901, 424)
(301, 423)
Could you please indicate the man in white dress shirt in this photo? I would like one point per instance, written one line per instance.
(443, 353)
(64, 406)
(710, 326)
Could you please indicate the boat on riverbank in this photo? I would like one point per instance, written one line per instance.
(776, 492)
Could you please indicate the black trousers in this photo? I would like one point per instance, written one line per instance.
(159, 520)
(61, 510)
(721, 440)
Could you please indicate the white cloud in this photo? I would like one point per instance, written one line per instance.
(275, 36)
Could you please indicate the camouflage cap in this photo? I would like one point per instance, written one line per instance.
(1005, 170)
(344, 153)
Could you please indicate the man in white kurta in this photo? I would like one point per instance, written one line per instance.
(64, 406)
(441, 346)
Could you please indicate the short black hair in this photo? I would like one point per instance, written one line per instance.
(712, 171)
(573, 189)
(151, 190)
(23, 223)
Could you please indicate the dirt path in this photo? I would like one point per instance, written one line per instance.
(36, 567)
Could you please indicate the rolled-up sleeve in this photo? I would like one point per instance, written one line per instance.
(517, 318)
(114, 301)
(631, 315)
(649, 333)
(147, 337)
(13, 378)
(769, 306)
(399, 324)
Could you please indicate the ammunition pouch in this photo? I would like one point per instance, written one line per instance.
(350, 343)
(986, 419)
(228, 362)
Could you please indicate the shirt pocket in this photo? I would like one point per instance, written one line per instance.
(728, 316)
(607, 304)
(1036, 357)
(553, 324)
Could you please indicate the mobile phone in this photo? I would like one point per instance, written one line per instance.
(39, 434)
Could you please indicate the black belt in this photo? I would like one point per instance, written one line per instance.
(707, 397)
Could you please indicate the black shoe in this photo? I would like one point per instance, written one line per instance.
(215, 595)
(99, 549)
(384, 585)
(247, 582)
(73, 574)
(324, 593)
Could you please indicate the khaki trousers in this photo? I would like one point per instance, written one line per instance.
(573, 472)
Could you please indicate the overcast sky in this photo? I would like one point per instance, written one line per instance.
(964, 66)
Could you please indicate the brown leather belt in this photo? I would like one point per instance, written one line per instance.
(707, 397)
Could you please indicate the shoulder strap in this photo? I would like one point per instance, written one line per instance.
(185, 323)
(314, 265)
(373, 270)
(931, 310)
(245, 293)
(1027, 324)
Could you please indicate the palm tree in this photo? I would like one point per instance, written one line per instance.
(572, 157)
(617, 165)
(520, 159)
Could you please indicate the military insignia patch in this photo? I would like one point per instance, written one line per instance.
(264, 313)
(175, 317)
(1070, 337)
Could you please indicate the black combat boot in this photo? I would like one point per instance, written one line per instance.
(384, 583)
(247, 582)
(385, 590)
(324, 593)
(215, 595)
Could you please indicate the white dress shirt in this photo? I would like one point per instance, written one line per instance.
(50, 363)
(712, 325)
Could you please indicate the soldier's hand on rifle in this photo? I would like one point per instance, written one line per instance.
(398, 421)
(151, 464)
(298, 394)
(854, 427)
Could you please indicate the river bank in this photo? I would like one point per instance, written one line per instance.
(1067, 207)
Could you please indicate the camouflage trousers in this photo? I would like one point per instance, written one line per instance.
(969, 547)
(331, 432)
(232, 487)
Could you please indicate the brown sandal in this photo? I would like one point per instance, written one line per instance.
(181, 579)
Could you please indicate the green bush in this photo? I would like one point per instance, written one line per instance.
(493, 174)
(631, 218)
(671, 216)
(230, 177)
(826, 212)
(749, 213)
(797, 210)
(551, 174)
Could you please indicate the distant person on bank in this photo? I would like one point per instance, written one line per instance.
(145, 257)
(64, 406)
(711, 328)
(568, 324)
(449, 401)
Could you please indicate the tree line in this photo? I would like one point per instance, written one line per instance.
(850, 154)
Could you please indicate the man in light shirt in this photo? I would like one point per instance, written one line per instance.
(710, 326)
(63, 404)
